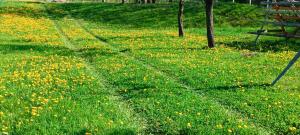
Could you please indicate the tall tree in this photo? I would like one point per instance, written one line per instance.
(210, 22)
(180, 18)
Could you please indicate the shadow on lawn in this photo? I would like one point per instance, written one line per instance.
(108, 132)
(88, 53)
(10, 48)
(265, 45)
(235, 87)
(141, 15)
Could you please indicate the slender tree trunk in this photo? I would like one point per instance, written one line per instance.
(123, 1)
(210, 23)
(180, 18)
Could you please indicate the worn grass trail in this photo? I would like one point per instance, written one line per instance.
(74, 24)
(172, 77)
(232, 85)
(46, 88)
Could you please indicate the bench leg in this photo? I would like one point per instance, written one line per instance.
(256, 39)
(291, 63)
(258, 34)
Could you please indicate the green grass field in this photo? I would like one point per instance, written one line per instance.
(121, 69)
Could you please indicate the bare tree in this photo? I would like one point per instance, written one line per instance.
(180, 18)
(209, 23)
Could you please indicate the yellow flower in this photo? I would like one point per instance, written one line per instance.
(292, 129)
(189, 125)
(230, 130)
(219, 126)
(87, 133)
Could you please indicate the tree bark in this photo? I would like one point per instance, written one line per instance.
(209, 23)
(180, 18)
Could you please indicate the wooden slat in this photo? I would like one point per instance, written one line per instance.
(291, 12)
(281, 3)
(275, 30)
(275, 35)
(289, 24)
(284, 17)
(285, 8)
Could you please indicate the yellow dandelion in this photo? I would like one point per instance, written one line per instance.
(219, 126)
(292, 129)
(189, 125)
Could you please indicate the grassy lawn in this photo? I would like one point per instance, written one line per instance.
(121, 69)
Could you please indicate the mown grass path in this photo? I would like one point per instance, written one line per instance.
(157, 71)
(110, 88)
(172, 77)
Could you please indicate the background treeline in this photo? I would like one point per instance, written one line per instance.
(255, 2)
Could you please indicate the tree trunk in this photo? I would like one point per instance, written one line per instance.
(180, 18)
(123, 1)
(210, 23)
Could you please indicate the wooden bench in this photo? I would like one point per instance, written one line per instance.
(286, 16)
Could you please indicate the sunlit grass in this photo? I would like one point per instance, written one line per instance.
(63, 74)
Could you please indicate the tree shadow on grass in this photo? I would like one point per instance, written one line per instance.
(265, 45)
(54, 50)
(47, 49)
(235, 87)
